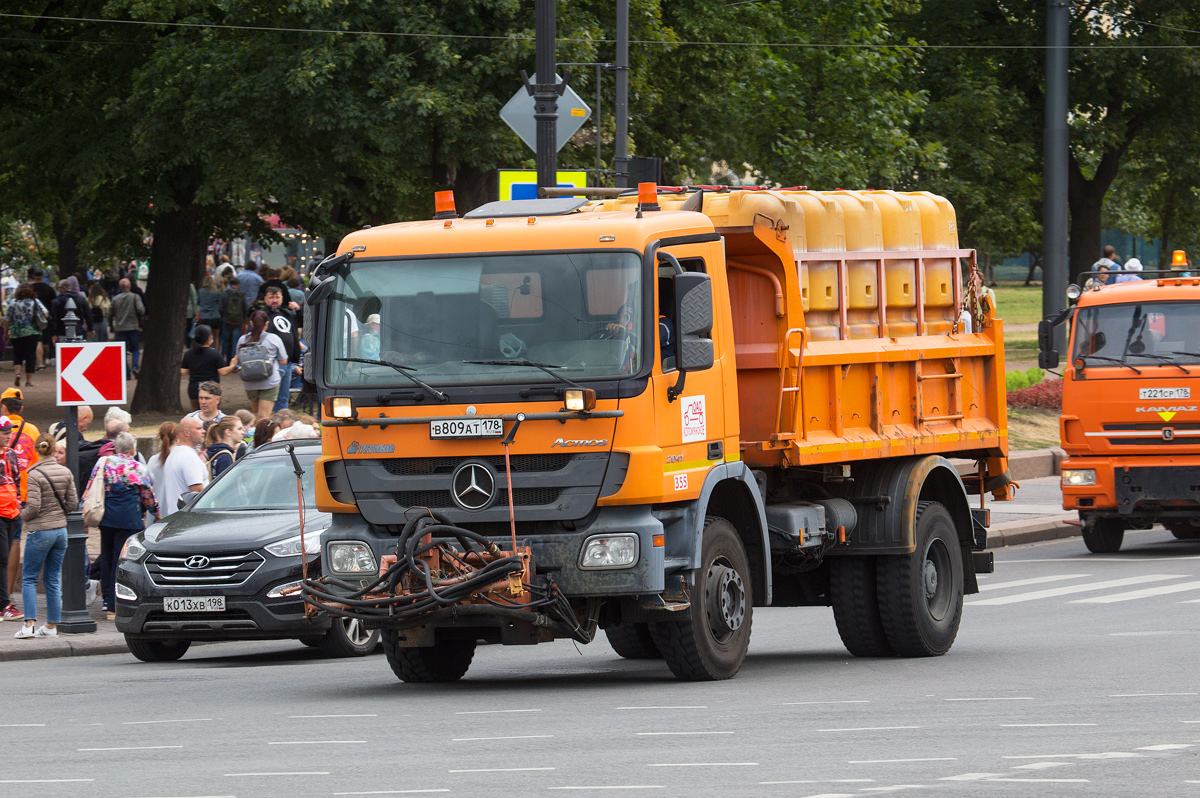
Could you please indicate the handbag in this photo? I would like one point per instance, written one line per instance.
(93, 500)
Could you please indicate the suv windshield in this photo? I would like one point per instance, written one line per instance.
(1143, 334)
(261, 483)
(576, 312)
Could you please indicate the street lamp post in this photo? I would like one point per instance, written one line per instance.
(75, 618)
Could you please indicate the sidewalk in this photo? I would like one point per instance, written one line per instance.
(1036, 516)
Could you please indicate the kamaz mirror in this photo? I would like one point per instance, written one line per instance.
(1047, 355)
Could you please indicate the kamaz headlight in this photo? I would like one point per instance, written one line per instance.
(133, 549)
(609, 551)
(1078, 476)
(351, 558)
(291, 546)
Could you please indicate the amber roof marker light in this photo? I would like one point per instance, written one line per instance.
(443, 205)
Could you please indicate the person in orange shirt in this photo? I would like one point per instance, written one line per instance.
(21, 439)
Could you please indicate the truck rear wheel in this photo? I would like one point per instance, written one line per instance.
(1105, 536)
(710, 642)
(446, 661)
(921, 594)
(852, 588)
(632, 641)
(1184, 531)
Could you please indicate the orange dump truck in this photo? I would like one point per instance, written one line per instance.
(650, 414)
(1130, 421)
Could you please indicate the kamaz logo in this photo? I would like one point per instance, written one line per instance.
(370, 448)
(576, 444)
(1177, 409)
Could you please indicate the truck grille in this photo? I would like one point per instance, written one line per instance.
(521, 464)
(221, 570)
(1184, 433)
(522, 497)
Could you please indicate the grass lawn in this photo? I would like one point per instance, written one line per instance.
(1018, 304)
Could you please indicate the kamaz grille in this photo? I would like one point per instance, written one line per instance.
(522, 497)
(221, 570)
(521, 464)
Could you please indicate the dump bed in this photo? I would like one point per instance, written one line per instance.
(848, 321)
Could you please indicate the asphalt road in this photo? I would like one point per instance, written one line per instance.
(1073, 674)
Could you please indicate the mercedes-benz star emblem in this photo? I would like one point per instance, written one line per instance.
(474, 486)
(196, 562)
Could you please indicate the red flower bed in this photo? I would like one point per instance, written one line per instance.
(1046, 394)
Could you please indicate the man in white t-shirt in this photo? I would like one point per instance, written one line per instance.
(184, 471)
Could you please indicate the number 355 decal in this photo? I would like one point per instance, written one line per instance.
(681, 482)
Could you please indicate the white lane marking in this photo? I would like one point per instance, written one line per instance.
(1039, 725)
(1044, 781)
(40, 781)
(495, 711)
(1146, 695)
(1121, 559)
(1104, 755)
(890, 761)
(319, 742)
(495, 770)
(1039, 580)
(19, 725)
(1162, 590)
(970, 777)
(703, 765)
(685, 707)
(181, 720)
(893, 788)
(821, 781)
(870, 728)
(1164, 747)
(281, 773)
(997, 698)
(1064, 591)
(131, 748)
(681, 734)
(391, 792)
(812, 703)
(1044, 765)
(515, 737)
(612, 787)
(830, 795)
(301, 717)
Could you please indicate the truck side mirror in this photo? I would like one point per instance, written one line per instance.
(693, 321)
(1047, 355)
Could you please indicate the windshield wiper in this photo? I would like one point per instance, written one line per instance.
(1112, 360)
(441, 397)
(546, 367)
(1164, 359)
(1185, 354)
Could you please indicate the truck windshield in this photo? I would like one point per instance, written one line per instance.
(577, 313)
(1142, 334)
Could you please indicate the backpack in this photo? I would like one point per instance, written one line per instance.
(235, 306)
(256, 361)
(40, 317)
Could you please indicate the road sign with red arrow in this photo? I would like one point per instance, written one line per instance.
(91, 374)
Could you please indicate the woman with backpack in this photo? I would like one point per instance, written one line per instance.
(222, 440)
(233, 317)
(259, 356)
(98, 306)
(24, 319)
(51, 495)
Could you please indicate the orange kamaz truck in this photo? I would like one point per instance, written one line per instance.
(1130, 421)
(650, 413)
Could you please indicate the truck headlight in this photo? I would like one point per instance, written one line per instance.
(342, 407)
(291, 546)
(609, 551)
(1078, 476)
(351, 558)
(133, 549)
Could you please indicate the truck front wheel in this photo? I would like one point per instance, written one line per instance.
(632, 641)
(710, 642)
(446, 661)
(921, 594)
(1105, 536)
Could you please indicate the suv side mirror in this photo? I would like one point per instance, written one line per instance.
(187, 500)
(693, 321)
(1047, 354)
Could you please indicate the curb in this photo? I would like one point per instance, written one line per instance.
(1034, 530)
(82, 645)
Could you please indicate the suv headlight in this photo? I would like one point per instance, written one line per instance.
(291, 546)
(351, 558)
(609, 551)
(133, 550)
(1078, 476)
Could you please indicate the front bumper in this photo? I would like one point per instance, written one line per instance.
(1136, 488)
(248, 615)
